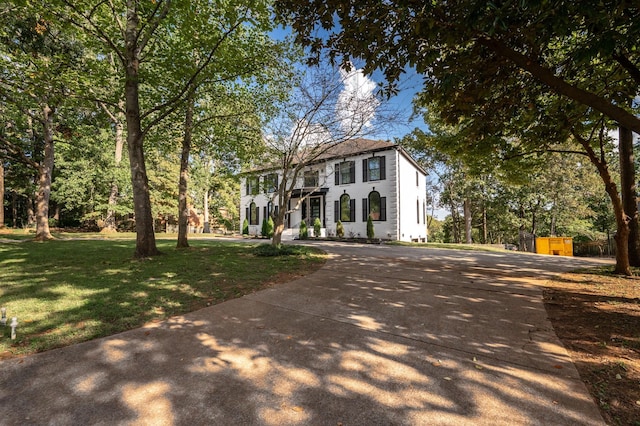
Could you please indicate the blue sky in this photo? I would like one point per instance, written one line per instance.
(409, 85)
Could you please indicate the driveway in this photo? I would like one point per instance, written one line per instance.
(381, 335)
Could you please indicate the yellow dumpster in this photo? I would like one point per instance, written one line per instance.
(557, 246)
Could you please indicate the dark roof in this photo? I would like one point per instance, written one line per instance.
(354, 147)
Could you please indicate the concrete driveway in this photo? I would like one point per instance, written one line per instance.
(381, 335)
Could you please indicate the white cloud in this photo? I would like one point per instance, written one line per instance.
(357, 104)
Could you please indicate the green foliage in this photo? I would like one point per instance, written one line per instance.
(370, 230)
(339, 230)
(267, 227)
(245, 227)
(304, 232)
(269, 250)
(65, 292)
(317, 227)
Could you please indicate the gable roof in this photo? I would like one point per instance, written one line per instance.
(356, 147)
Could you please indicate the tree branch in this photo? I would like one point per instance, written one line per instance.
(560, 86)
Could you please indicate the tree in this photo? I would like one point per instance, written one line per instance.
(328, 106)
(556, 44)
(144, 37)
(483, 60)
(36, 63)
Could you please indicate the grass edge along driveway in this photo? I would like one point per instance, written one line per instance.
(66, 292)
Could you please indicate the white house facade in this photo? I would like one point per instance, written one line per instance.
(350, 182)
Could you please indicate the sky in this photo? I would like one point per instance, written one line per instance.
(409, 84)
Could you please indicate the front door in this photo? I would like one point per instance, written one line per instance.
(315, 209)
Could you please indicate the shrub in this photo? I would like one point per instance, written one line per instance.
(304, 233)
(370, 231)
(267, 228)
(270, 227)
(339, 230)
(245, 227)
(269, 250)
(317, 227)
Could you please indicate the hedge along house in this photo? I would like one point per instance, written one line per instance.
(347, 183)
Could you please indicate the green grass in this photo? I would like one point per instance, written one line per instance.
(65, 292)
(452, 246)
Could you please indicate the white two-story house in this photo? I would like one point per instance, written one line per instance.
(349, 182)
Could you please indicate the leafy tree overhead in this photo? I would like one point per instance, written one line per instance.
(38, 64)
(148, 40)
(468, 49)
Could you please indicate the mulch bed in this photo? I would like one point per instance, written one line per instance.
(597, 317)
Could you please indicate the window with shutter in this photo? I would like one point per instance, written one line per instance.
(347, 208)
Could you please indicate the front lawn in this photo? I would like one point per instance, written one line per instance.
(65, 292)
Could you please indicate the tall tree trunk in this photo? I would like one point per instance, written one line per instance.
(454, 222)
(145, 236)
(31, 213)
(467, 221)
(622, 221)
(110, 220)
(14, 209)
(628, 192)
(183, 206)
(1, 193)
(554, 219)
(485, 231)
(45, 172)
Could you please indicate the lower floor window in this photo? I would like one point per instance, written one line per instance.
(375, 206)
(345, 209)
(254, 214)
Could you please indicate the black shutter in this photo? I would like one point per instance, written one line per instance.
(383, 208)
(264, 212)
(336, 211)
(352, 210)
(247, 215)
(352, 171)
(365, 170)
(337, 173)
(275, 186)
(365, 210)
(246, 186)
(383, 169)
(275, 211)
(257, 216)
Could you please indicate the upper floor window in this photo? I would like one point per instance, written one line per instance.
(373, 168)
(345, 209)
(311, 179)
(271, 183)
(252, 183)
(375, 206)
(345, 172)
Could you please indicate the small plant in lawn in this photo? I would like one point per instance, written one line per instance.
(317, 227)
(370, 232)
(304, 233)
(245, 227)
(339, 230)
